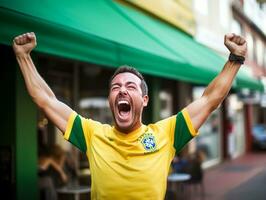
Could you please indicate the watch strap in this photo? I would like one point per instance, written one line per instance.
(236, 58)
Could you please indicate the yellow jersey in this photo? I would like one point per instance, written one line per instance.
(134, 165)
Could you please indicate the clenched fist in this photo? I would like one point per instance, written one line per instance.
(23, 44)
(235, 44)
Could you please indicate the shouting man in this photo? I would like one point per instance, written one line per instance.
(129, 160)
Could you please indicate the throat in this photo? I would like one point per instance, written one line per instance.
(124, 113)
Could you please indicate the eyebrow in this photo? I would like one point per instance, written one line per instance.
(130, 82)
(127, 83)
(114, 84)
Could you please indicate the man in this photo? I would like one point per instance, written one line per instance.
(129, 160)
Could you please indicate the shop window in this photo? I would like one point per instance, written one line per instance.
(97, 107)
(236, 137)
(166, 104)
(209, 140)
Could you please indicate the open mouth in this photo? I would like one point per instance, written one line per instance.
(123, 108)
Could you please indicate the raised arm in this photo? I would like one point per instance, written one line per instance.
(217, 90)
(40, 92)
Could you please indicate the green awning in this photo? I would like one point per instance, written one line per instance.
(193, 52)
(245, 80)
(107, 33)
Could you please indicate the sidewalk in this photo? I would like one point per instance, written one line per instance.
(229, 179)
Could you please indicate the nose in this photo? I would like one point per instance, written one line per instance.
(123, 90)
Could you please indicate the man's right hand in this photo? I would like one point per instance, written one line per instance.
(23, 44)
(41, 93)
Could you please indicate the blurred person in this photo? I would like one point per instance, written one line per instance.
(50, 163)
(194, 168)
(180, 163)
(51, 156)
(66, 162)
(129, 160)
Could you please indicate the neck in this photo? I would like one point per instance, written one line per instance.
(127, 130)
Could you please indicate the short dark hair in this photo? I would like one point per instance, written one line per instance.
(132, 70)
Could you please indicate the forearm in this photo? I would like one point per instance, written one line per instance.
(218, 89)
(42, 95)
(36, 86)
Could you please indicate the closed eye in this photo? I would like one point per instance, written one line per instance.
(132, 86)
(115, 87)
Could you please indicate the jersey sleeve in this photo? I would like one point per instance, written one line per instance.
(78, 131)
(184, 130)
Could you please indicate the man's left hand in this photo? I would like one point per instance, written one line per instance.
(235, 44)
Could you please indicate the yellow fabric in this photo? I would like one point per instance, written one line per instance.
(128, 166)
(122, 169)
(70, 124)
(189, 123)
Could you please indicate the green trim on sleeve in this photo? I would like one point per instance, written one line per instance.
(182, 133)
(76, 134)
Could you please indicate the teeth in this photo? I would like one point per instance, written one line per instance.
(122, 102)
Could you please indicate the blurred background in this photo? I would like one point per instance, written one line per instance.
(176, 44)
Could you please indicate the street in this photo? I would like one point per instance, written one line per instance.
(242, 178)
(252, 189)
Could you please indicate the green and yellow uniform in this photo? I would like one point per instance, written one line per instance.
(134, 165)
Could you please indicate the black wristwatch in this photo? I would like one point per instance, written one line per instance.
(236, 58)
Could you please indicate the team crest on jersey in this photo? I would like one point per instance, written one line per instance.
(148, 142)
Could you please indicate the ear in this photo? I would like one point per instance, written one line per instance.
(145, 100)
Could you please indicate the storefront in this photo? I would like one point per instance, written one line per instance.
(77, 54)
(209, 141)
(236, 139)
